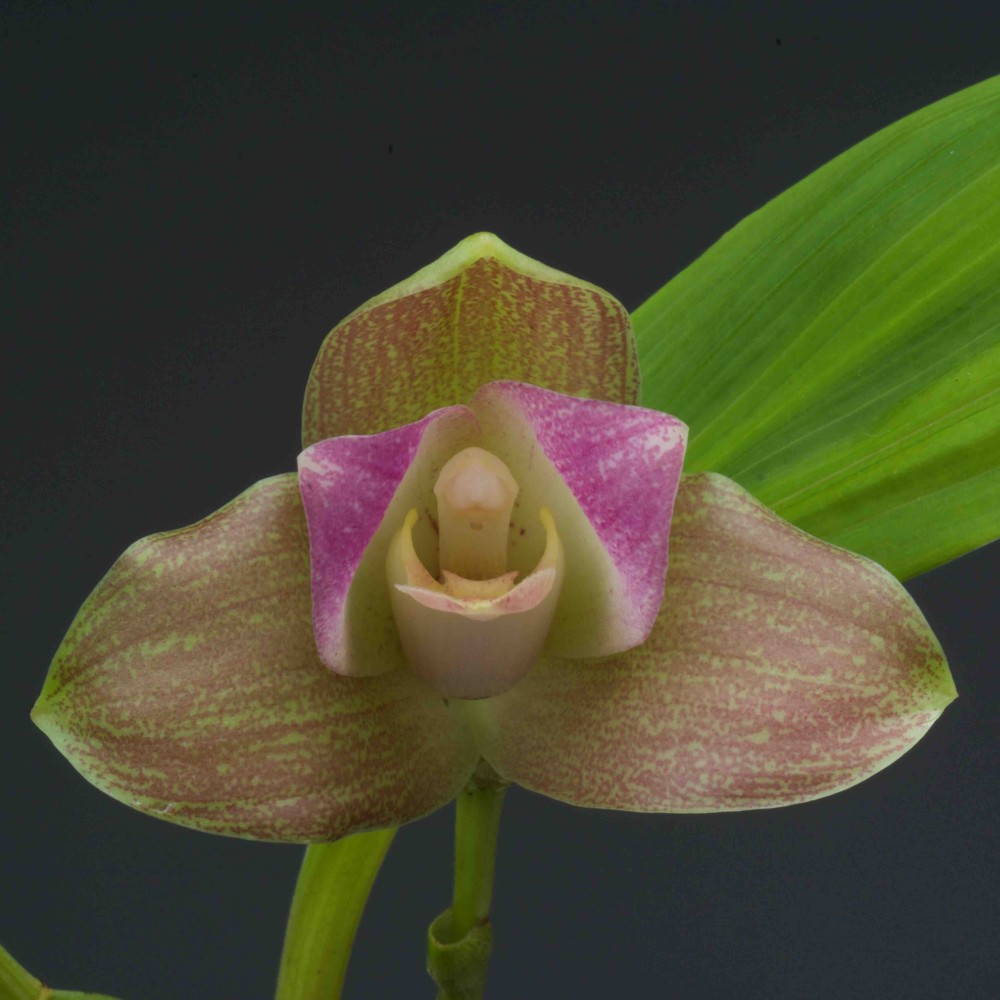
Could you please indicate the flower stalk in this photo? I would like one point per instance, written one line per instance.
(477, 826)
(460, 940)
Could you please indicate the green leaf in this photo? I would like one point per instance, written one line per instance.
(838, 352)
(330, 896)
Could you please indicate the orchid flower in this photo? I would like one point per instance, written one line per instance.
(472, 565)
(488, 569)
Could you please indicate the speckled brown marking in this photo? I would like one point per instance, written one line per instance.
(189, 687)
(394, 362)
(780, 669)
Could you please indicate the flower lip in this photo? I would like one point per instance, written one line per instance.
(472, 638)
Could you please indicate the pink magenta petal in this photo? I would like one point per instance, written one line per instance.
(780, 669)
(609, 473)
(356, 492)
(188, 687)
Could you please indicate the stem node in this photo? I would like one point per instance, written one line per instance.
(460, 940)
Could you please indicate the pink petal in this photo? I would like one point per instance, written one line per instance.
(356, 492)
(188, 686)
(609, 473)
(780, 669)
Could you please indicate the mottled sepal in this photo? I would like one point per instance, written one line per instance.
(780, 669)
(481, 312)
(189, 687)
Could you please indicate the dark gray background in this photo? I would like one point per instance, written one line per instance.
(193, 201)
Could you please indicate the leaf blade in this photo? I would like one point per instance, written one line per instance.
(838, 352)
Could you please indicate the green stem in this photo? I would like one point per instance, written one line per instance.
(460, 940)
(330, 896)
(16, 983)
(477, 826)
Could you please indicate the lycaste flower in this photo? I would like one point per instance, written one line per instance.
(470, 566)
